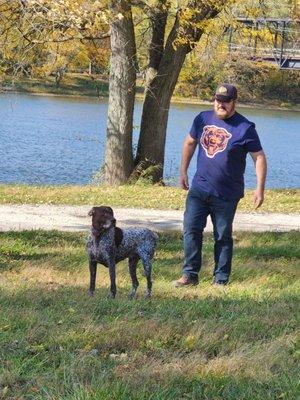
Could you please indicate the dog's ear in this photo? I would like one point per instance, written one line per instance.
(91, 212)
(118, 236)
(109, 209)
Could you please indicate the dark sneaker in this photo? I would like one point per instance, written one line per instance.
(186, 281)
(218, 282)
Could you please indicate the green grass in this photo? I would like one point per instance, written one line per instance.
(237, 342)
(136, 196)
(71, 84)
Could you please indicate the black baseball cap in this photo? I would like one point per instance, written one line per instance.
(226, 92)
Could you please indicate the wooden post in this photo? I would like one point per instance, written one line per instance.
(230, 38)
(282, 43)
(255, 37)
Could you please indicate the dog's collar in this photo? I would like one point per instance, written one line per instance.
(118, 234)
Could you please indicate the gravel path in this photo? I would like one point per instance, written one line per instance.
(74, 218)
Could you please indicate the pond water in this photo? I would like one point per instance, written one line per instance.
(61, 140)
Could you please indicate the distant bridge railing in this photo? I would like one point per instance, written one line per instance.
(285, 49)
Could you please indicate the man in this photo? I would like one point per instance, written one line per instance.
(224, 138)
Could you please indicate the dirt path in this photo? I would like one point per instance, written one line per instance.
(74, 218)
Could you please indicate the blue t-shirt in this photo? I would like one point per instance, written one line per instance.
(223, 147)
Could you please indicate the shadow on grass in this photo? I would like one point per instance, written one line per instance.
(255, 254)
(43, 238)
(61, 250)
(179, 306)
(14, 260)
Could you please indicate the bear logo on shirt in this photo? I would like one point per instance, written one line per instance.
(214, 140)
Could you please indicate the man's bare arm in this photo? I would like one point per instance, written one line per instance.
(260, 163)
(188, 150)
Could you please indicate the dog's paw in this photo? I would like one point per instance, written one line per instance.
(91, 293)
(132, 296)
(111, 295)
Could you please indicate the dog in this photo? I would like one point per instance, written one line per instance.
(108, 244)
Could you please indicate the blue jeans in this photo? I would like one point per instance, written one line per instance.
(199, 205)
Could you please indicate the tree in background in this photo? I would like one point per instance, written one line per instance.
(256, 79)
(39, 32)
(122, 82)
(57, 59)
(98, 53)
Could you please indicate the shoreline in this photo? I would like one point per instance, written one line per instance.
(139, 97)
(105, 186)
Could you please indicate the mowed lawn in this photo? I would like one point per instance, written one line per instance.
(138, 196)
(235, 342)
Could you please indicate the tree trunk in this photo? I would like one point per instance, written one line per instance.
(122, 80)
(151, 146)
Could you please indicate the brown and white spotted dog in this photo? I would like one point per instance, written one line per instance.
(108, 244)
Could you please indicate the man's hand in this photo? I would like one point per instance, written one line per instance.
(188, 149)
(184, 181)
(258, 198)
(260, 162)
